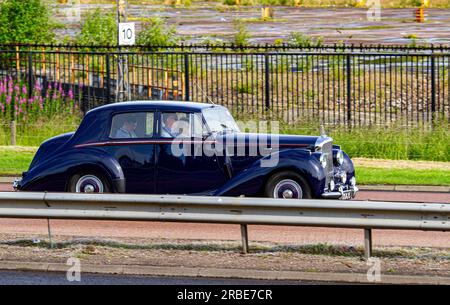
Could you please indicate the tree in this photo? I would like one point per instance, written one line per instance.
(99, 28)
(26, 22)
(155, 32)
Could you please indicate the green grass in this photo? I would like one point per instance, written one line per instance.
(394, 143)
(15, 160)
(370, 175)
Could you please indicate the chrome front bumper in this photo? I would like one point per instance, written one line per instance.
(342, 194)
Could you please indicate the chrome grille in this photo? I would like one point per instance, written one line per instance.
(327, 150)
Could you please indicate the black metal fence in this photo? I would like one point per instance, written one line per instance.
(351, 85)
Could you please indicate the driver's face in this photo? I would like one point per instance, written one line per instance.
(170, 121)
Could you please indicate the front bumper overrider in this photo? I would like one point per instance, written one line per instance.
(341, 193)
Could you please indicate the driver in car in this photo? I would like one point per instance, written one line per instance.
(168, 130)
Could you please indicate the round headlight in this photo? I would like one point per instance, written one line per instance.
(323, 160)
(343, 177)
(339, 158)
(332, 185)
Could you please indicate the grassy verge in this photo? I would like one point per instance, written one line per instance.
(14, 160)
(380, 142)
(371, 175)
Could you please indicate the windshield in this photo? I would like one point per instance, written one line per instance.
(219, 119)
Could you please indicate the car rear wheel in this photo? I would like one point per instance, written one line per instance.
(88, 183)
(288, 185)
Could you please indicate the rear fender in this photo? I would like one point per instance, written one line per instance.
(53, 175)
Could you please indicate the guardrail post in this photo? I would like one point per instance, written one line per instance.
(244, 235)
(367, 243)
(13, 133)
(49, 233)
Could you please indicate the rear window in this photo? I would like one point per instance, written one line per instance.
(132, 125)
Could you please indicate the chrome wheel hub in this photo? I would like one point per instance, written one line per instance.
(288, 194)
(89, 188)
(288, 189)
(89, 184)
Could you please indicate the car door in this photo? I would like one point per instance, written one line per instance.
(135, 150)
(182, 166)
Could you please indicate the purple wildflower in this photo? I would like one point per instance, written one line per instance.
(70, 94)
(24, 89)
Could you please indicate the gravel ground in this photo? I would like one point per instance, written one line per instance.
(225, 254)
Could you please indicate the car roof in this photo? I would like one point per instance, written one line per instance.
(162, 105)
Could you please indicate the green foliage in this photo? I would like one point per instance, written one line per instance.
(245, 89)
(242, 36)
(229, 2)
(99, 28)
(25, 22)
(395, 142)
(155, 32)
(301, 40)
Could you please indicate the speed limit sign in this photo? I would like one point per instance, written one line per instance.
(127, 34)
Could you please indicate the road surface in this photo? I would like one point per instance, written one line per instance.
(59, 278)
(263, 233)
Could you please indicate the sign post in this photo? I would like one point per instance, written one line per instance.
(126, 36)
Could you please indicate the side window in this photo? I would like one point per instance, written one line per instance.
(132, 125)
(176, 125)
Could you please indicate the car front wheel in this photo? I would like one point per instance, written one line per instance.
(287, 185)
(88, 183)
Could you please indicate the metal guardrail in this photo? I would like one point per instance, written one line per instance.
(322, 213)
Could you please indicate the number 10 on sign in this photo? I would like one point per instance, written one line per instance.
(127, 34)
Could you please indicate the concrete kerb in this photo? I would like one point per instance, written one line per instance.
(226, 273)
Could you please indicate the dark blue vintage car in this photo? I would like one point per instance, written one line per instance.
(161, 147)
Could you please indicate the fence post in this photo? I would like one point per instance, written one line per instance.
(13, 132)
(267, 81)
(367, 243)
(108, 80)
(349, 91)
(17, 61)
(244, 236)
(433, 90)
(30, 75)
(186, 76)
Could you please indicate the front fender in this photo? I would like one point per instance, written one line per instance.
(52, 175)
(251, 182)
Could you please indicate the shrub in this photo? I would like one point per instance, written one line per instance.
(300, 40)
(242, 36)
(156, 32)
(99, 28)
(25, 22)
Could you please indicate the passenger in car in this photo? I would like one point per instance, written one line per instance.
(128, 129)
